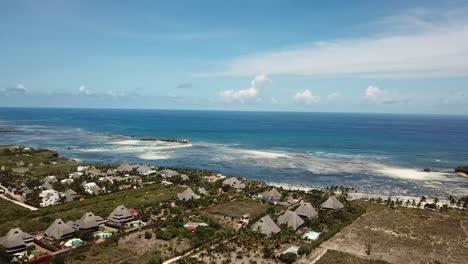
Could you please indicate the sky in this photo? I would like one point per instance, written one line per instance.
(312, 56)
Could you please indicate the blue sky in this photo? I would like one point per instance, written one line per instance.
(332, 56)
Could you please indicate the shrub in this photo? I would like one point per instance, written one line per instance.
(288, 257)
(148, 235)
(304, 250)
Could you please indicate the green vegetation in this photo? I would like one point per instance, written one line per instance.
(242, 206)
(33, 221)
(463, 169)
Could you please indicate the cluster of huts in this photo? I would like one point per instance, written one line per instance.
(294, 219)
(17, 241)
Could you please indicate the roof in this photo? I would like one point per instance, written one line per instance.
(306, 210)
(119, 213)
(47, 186)
(188, 194)
(272, 194)
(332, 203)
(168, 173)
(15, 238)
(58, 229)
(125, 167)
(88, 221)
(266, 226)
(202, 190)
(184, 177)
(290, 219)
(234, 183)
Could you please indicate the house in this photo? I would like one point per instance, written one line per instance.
(272, 195)
(234, 183)
(93, 172)
(145, 170)
(134, 212)
(167, 173)
(50, 179)
(291, 220)
(16, 241)
(47, 186)
(82, 168)
(71, 195)
(125, 167)
(188, 195)
(91, 188)
(212, 178)
(49, 197)
(120, 215)
(332, 203)
(184, 177)
(192, 226)
(306, 210)
(202, 190)
(111, 172)
(25, 191)
(266, 226)
(58, 230)
(67, 181)
(89, 222)
(75, 175)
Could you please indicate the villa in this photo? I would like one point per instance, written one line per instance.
(16, 241)
(306, 210)
(58, 230)
(266, 226)
(291, 220)
(145, 170)
(92, 188)
(188, 195)
(168, 173)
(120, 216)
(272, 195)
(125, 167)
(89, 222)
(332, 203)
(49, 197)
(234, 183)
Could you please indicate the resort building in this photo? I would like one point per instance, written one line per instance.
(272, 195)
(49, 197)
(266, 226)
(145, 170)
(16, 241)
(89, 222)
(70, 195)
(306, 210)
(202, 190)
(291, 220)
(168, 173)
(58, 230)
(120, 215)
(47, 186)
(234, 183)
(50, 179)
(184, 177)
(188, 195)
(125, 167)
(75, 175)
(332, 203)
(92, 188)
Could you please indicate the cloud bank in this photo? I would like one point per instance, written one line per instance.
(245, 95)
(306, 98)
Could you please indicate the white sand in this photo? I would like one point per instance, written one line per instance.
(153, 156)
(412, 174)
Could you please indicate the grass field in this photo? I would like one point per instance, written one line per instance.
(33, 221)
(10, 211)
(242, 206)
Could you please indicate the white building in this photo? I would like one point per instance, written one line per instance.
(49, 197)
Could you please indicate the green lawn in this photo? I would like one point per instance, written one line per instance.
(39, 220)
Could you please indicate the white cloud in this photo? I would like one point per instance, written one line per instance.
(306, 98)
(18, 89)
(245, 95)
(374, 94)
(430, 47)
(84, 90)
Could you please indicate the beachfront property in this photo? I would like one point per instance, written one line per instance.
(16, 241)
(145, 170)
(167, 173)
(234, 183)
(126, 168)
(120, 216)
(49, 197)
(91, 188)
(266, 226)
(188, 195)
(306, 211)
(332, 203)
(291, 220)
(58, 230)
(272, 196)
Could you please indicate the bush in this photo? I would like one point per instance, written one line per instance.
(288, 257)
(304, 250)
(164, 234)
(148, 235)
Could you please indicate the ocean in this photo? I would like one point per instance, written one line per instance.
(374, 153)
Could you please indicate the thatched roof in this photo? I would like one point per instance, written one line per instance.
(290, 219)
(272, 194)
(121, 214)
(332, 204)
(187, 195)
(234, 183)
(202, 190)
(125, 167)
(306, 210)
(266, 226)
(88, 221)
(15, 238)
(59, 230)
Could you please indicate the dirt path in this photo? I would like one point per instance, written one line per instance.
(32, 208)
(464, 230)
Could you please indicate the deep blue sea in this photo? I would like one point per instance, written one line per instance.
(376, 153)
